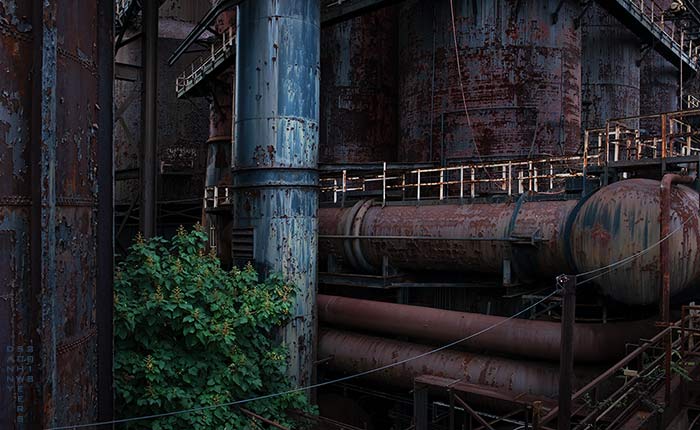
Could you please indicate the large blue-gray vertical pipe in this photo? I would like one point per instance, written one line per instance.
(276, 149)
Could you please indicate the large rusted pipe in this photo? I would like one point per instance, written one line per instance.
(539, 238)
(527, 338)
(472, 237)
(353, 353)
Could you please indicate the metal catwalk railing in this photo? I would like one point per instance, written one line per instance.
(642, 377)
(672, 137)
(464, 181)
(651, 14)
(660, 136)
(221, 51)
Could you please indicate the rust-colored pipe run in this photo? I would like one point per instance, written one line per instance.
(353, 353)
(533, 238)
(527, 338)
(664, 264)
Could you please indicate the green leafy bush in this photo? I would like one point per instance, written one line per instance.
(190, 334)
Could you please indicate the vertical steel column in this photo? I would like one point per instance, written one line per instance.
(43, 216)
(566, 360)
(275, 156)
(105, 209)
(149, 126)
(420, 406)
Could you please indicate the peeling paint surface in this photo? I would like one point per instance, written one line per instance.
(521, 76)
(48, 213)
(275, 157)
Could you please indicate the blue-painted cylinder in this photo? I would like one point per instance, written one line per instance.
(275, 155)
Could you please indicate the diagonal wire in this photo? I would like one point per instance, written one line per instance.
(309, 387)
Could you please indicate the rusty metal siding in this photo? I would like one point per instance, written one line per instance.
(16, 317)
(49, 168)
(359, 89)
(659, 84)
(610, 68)
(521, 77)
(183, 125)
(275, 157)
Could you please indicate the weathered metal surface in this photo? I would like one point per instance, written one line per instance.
(275, 159)
(541, 239)
(105, 211)
(359, 89)
(149, 124)
(520, 70)
(659, 84)
(473, 237)
(667, 183)
(659, 88)
(527, 338)
(51, 169)
(183, 125)
(609, 68)
(621, 220)
(353, 353)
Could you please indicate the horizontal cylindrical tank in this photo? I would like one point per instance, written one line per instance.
(539, 238)
(610, 69)
(521, 72)
(527, 338)
(622, 220)
(472, 237)
(354, 353)
(359, 89)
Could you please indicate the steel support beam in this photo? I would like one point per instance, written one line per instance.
(149, 124)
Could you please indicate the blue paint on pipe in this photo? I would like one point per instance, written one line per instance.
(275, 154)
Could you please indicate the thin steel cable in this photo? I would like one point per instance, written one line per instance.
(309, 387)
(607, 269)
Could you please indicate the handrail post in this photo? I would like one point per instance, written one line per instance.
(384, 185)
(566, 358)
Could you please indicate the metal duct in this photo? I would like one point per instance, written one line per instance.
(527, 338)
(353, 353)
(275, 157)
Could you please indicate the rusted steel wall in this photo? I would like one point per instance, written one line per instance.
(55, 148)
(183, 125)
(275, 174)
(610, 68)
(473, 237)
(659, 86)
(623, 219)
(527, 338)
(354, 353)
(359, 89)
(520, 71)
